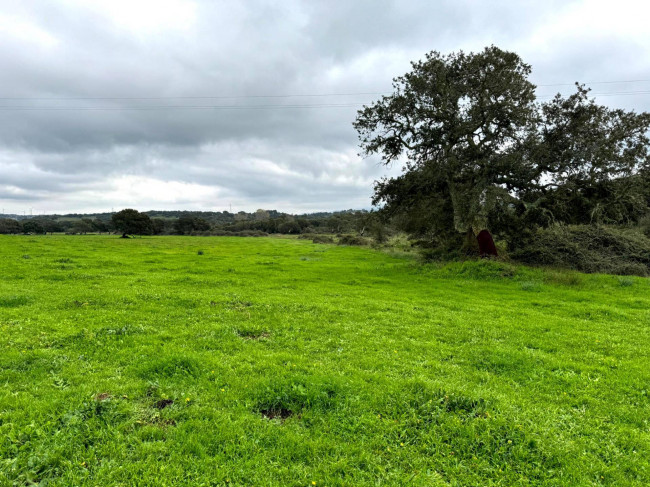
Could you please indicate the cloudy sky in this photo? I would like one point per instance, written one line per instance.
(199, 105)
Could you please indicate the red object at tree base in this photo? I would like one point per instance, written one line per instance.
(486, 245)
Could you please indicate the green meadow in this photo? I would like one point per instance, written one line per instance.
(224, 361)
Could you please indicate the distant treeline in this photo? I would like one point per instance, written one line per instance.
(202, 223)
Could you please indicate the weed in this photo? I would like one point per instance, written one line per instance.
(295, 394)
(170, 367)
(532, 286)
(626, 281)
(252, 333)
(13, 301)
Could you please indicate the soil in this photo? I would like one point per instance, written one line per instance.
(281, 414)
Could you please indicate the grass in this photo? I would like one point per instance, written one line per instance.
(277, 362)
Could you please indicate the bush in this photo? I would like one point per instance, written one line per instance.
(644, 225)
(244, 233)
(251, 233)
(589, 249)
(352, 240)
(322, 239)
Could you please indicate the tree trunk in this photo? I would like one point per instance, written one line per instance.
(470, 245)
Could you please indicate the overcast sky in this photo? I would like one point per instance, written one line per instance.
(91, 80)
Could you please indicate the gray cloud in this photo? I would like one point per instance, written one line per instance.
(126, 150)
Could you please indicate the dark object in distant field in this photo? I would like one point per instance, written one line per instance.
(486, 245)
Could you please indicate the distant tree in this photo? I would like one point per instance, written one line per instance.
(290, 226)
(10, 226)
(98, 225)
(33, 226)
(335, 224)
(200, 225)
(241, 216)
(130, 221)
(188, 224)
(51, 225)
(157, 226)
(262, 215)
(82, 226)
(44, 225)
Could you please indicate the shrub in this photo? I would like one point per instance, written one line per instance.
(626, 281)
(251, 233)
(322, 239)
(243, 233)
(588, 249)
(644, 225)
(353, 240)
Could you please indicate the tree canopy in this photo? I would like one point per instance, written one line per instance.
(130, 221)
(479, 152)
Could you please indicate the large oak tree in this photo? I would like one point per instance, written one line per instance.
(130, 221)
(475, 146)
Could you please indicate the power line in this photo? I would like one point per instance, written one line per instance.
(247, 107)
(607, 93)
(598, 82)
(179, 107)
(294, 95)
(233, 97)
(250, 107)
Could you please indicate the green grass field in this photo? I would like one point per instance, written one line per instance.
(278, 362)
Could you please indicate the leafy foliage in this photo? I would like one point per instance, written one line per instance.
(592, 163)
(588, 248)
(479, 152)
(131, 221)
(10, 226)
(459, 121)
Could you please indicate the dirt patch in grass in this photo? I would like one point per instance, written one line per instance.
(165, 422)
(163, 403)
(252, 334)
(282, 413)
(292, 396)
